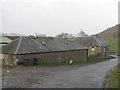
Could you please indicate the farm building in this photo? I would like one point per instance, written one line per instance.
(96, 47)
(38, 50)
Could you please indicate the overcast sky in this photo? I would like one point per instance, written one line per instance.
(52, 17)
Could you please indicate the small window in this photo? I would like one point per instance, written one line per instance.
(43, 43)
(93, 48)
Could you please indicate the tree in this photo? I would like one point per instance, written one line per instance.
(65, 35)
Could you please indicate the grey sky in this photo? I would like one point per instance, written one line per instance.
(52, 17)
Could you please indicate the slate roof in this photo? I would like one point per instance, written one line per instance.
(90, 41)
(26, 45)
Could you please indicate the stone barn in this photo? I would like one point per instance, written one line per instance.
(38, 50)
(96, 47)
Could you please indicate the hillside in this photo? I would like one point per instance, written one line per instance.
(112, 37)
(110, 33)
(113, 45)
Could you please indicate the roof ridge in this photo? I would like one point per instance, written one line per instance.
(18, 45)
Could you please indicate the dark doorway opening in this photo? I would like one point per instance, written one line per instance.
(105, 51)
(35, 61)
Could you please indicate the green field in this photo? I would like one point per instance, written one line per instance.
(4, 39)
(114, 78)
(114, 45)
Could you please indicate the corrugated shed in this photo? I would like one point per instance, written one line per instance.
(26, 45)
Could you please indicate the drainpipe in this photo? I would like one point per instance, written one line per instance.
(87, 54)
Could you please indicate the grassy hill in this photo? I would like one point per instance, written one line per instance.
(114, 44)
(110, 33)
(112, 37)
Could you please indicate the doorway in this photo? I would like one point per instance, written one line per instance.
(35, 61)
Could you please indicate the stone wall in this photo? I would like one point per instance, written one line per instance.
(8, 59)
(75, 56)
(98, 51)
(94, 51)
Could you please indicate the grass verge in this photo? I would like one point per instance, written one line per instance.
(114, 80)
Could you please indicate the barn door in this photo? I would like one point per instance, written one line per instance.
(35, 61)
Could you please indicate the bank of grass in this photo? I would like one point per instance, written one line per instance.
(90, 61)
(114, 80)
(114, 45)
(4, 39)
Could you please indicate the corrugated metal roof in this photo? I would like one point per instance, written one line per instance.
(90, 41)
(26, 45)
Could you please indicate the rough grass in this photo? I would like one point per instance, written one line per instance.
(90, 61)
(115, 78)
(114, 44)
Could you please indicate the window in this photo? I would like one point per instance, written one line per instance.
(93, 48)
